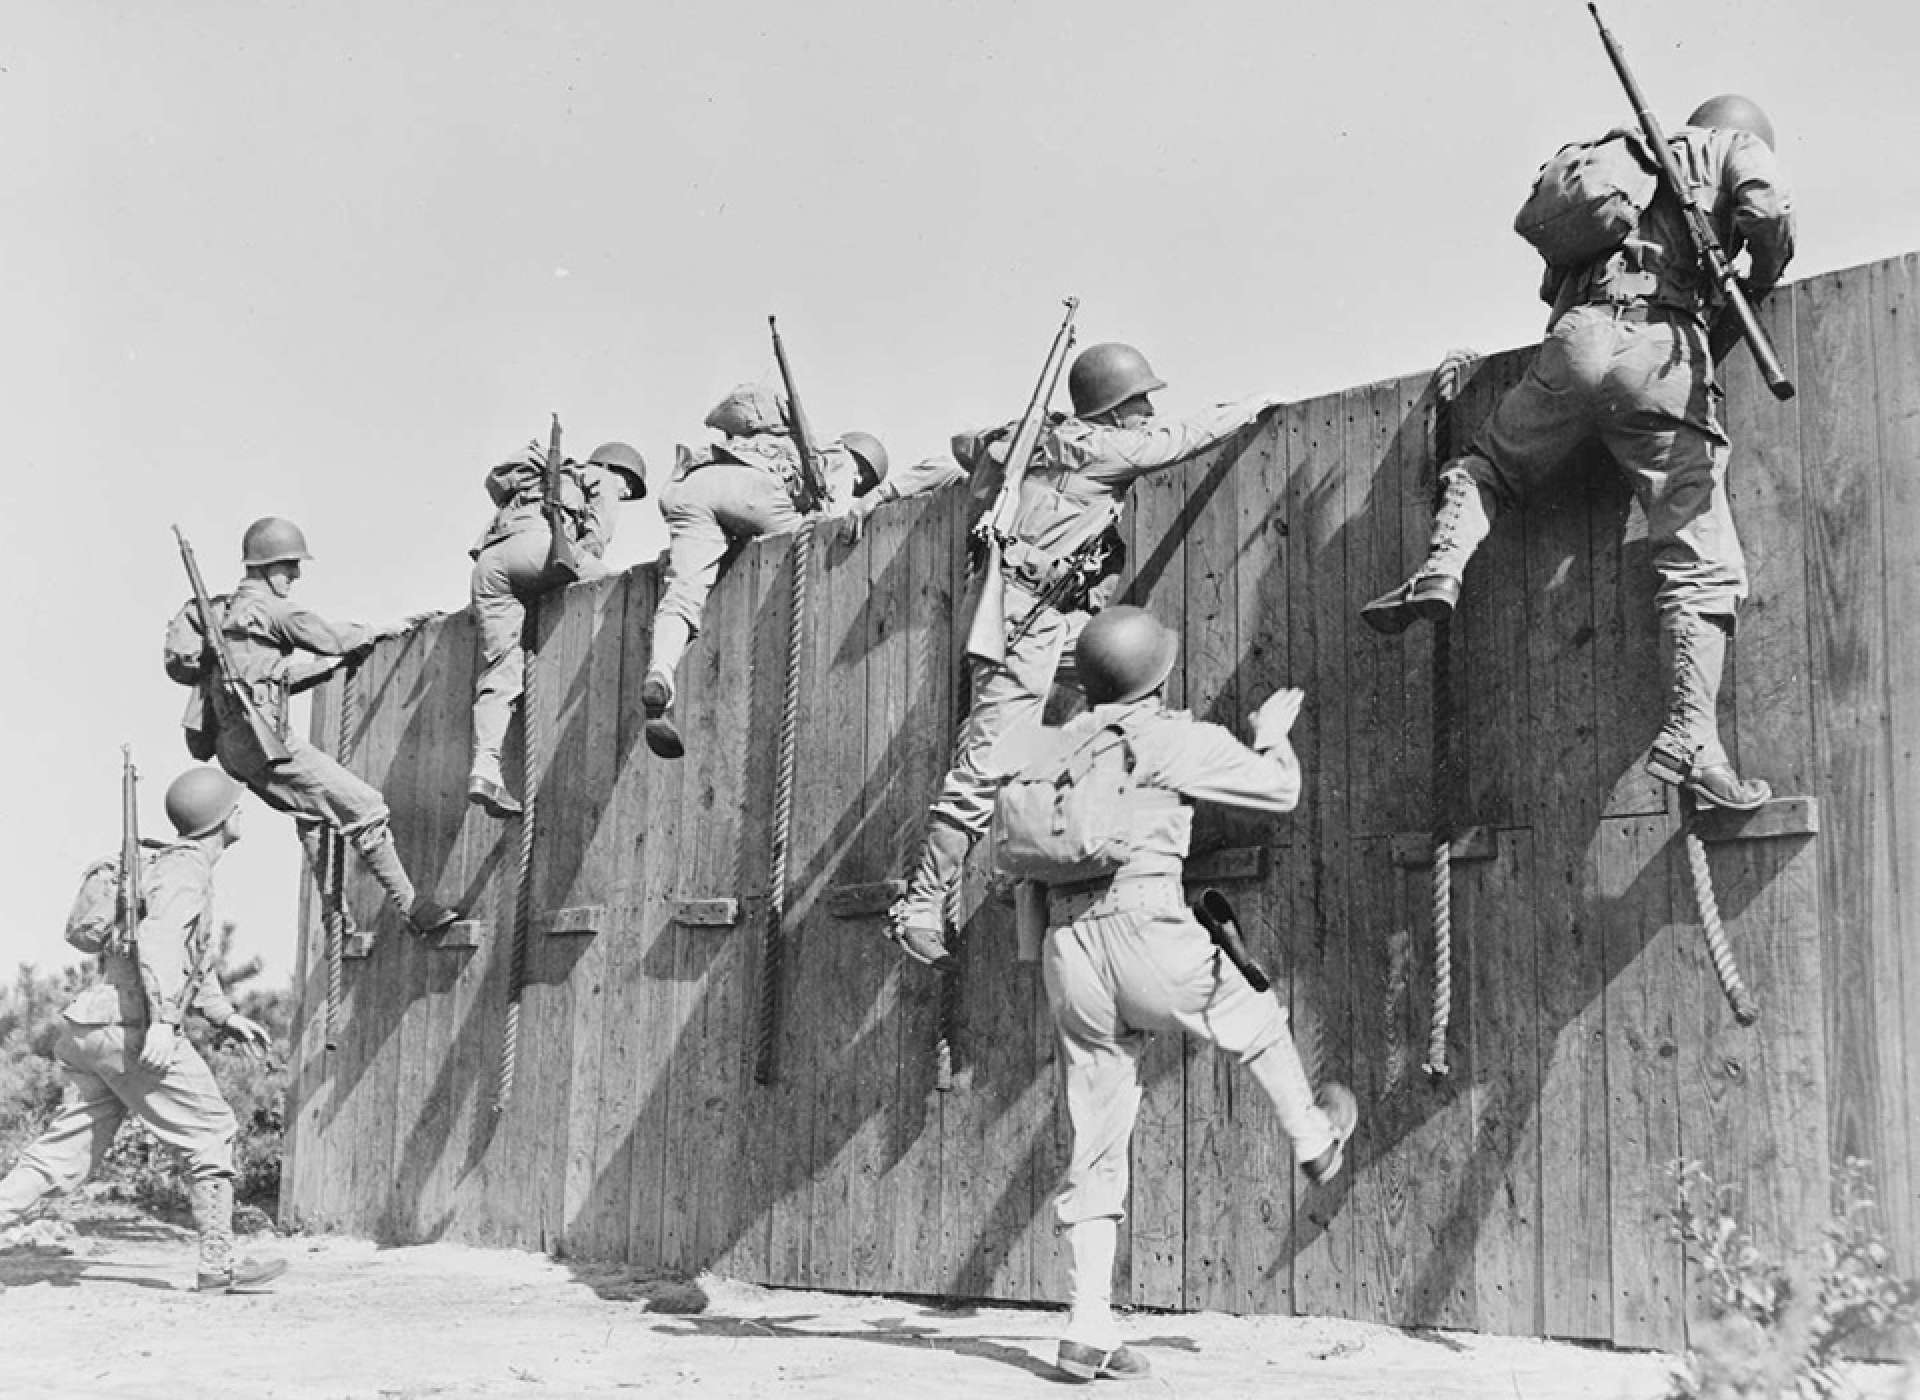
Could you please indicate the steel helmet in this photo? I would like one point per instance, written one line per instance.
(626, 460)
(200, 800)
(1105, 376)
(271, 540)
(1730, 109)
(871, 456)
(1123, 654)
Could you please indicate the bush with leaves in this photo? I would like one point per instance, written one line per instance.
(1779, 1328)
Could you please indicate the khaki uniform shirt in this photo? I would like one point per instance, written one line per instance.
(170, 968)
(588, 497)
(1081, 472)
(1737, 180)
(1178, 761)
(263, 632)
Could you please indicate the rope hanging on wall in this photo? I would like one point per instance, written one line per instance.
(1446, 385)
(531, 772)
(330, 866)
(1745, 1010)
(773, 949)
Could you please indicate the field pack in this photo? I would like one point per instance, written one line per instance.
(1589, 198)
(1068, 821)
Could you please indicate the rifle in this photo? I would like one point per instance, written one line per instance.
(813, 486)
(259, 745)
(561, 558)
(1216, 916)
(987, 634)
(132, 903)
(1706, 245)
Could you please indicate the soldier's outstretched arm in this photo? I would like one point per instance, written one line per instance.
(1210, 765)
(1119, 455)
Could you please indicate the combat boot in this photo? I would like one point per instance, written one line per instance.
(1463, 520)
(1343, 1110)
(918, 920)
(1086, 1363)
(656, 698)
(382, 859)
(220, 1272)
(1687, 752)
(488, 791)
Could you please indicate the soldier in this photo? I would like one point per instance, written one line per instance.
(1628, 360)
(122, 1050)
(1124, 957)
(510, 568)
(743, 487)
(264, 629)
(1066, 531)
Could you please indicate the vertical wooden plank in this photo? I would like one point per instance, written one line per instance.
(1500, 955)
(1156, 1210)
(1239, 1204)
(711, 1217)
(309, 1097)
(427, 787)
(915, 715)
(1325, 608)
(855, 1035)
(1846, 559)
(1643, 1055)
(1563, 796)
(1491, 632)
(640, 1115)
(580, 872)
(1896, 301)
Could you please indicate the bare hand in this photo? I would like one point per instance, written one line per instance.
(156, 1052)
(249, 1032)
(1273, 721)
(854, 523)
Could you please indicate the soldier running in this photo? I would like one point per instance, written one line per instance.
(121, 1047)
(1124, 957)
(264, 630)
(1065, 531)
(510, 568)
(744, 487)
(1628, 359)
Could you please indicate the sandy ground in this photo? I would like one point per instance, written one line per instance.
(105, 1310)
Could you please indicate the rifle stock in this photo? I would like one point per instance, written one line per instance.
(259, 745)
(1706, 245)
(987, 634)
(133, 900)
(813, 485)
(562, 560)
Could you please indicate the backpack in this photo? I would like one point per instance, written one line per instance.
(1068, 821)
(93, 924)
(185, 650)
(1589, 198)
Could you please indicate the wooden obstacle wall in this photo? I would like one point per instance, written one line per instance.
(1525, 1193)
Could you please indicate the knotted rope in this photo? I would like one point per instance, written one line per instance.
(1745, 1010)
(1446, 392)
(531, 771)
(773, 950)
(330, 870)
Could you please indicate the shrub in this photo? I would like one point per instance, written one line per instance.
(1781, 1328)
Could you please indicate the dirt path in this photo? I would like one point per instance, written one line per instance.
(113, 1318)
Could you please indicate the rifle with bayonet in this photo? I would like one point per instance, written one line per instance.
(131, 905)
(256, 745)
(563, 562)
(987, 635)
(813, 485)
(1706, 244)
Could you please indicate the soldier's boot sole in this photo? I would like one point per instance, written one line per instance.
(246, 1274)
(492, 798)
(1087, 1363)
(662, 736)
(1423, 598)
(1338, 1103)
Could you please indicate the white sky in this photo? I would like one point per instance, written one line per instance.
(329, 260)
